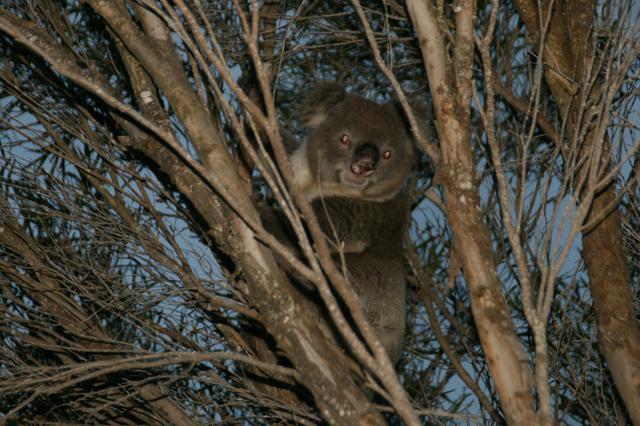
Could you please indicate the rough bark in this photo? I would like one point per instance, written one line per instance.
(566, 52)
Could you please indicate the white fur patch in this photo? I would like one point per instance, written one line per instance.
(300, 167)
(316, 119)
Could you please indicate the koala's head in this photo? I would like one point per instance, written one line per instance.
(355, 147)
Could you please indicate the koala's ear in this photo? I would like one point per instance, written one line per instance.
(423, 112)
(317, 103)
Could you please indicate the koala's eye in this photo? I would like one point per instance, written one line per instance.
(345, 140)
(386, 155)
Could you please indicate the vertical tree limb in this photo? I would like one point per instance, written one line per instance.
(505, 356)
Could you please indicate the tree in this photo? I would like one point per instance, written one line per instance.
(139, 285)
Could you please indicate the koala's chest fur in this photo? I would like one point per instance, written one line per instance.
(353, 225)
(367, 238)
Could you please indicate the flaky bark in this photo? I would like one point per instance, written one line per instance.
(567, 56)
(450, 87)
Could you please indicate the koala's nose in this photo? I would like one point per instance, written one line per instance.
(365, 158)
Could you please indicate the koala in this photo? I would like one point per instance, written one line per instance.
(355, 148)
(354, 167)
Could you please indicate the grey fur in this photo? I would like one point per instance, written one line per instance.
(360, 197)
(322, 164)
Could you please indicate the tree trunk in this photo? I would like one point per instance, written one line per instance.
(618, 333)
(451, 90)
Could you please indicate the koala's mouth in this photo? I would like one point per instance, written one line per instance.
(355, 180)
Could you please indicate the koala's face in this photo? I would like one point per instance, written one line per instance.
(359, 148)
